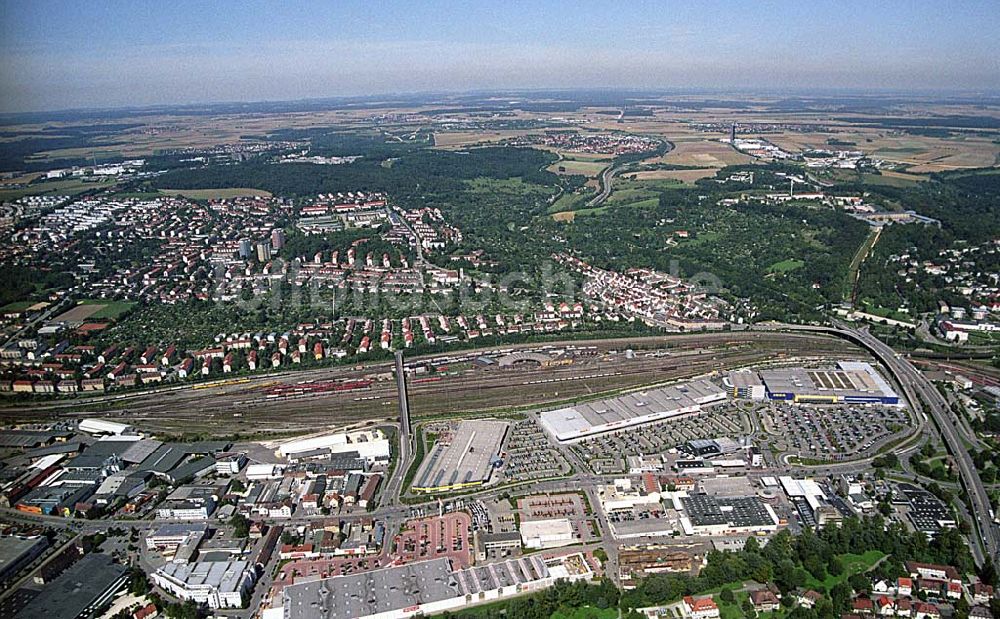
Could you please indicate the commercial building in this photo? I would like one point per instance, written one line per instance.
(371, 445)
(101, 426)
(179, 540)
(501, 543)
(928, 513)
(637, 561)
(707, 515)
(219, 584)
(641, 407)
(852, 383)
(464, 461)
(745, 385)
(81, 590)
(550, 533)
(424, 588)
(18, 552)
(256, 472)
(189, 503)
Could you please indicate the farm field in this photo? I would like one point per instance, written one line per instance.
(460, 139)
(703, 153)
(688, 177)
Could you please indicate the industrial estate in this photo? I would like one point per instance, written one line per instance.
(573, 354)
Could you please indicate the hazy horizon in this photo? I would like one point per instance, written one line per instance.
(63, 56)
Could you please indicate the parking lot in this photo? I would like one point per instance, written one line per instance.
(548, 506)
(831, 432)
(438, 536)
(570, 506)
(530, 455)
(608, 453)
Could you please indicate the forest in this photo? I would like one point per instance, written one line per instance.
(408, 177)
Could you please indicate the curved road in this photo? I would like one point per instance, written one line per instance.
(917, 388)
(606, 176)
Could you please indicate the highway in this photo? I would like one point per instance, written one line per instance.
(915, 383)
(917, 389)
(606, 177)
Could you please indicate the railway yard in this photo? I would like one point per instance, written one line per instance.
(462, 383)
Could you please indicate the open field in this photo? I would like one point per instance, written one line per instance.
(785, 266)
(687, 177)
(587, 612)
(924, 153)
(62, 187)
(892, 179)
(904, 177)
(586, 168)
(217, 194)
(79, 313)
(704, 153)
(460, 139)
(17, 306)
(569, 201)
(853, 564)
(94, 309)
(108, 310)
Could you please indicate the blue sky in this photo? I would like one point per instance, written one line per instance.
(59, 55)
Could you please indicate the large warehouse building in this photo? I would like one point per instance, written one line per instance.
(633, 409)
(466, 461)
(852, 382)
(424, 588)
(372, 445)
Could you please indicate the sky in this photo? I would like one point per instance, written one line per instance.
(84, 54)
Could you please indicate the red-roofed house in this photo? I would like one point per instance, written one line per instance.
(863, 606)
(954, 590)
(701, 608)
(930, 571)
(981, 593)
(764, 601)
(904, 586)
(146, 612)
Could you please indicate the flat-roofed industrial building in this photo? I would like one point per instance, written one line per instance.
(423, 588)
(466, 461)
(852, 382)
(633, 409)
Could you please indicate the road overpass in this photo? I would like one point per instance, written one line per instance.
(394, 487)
